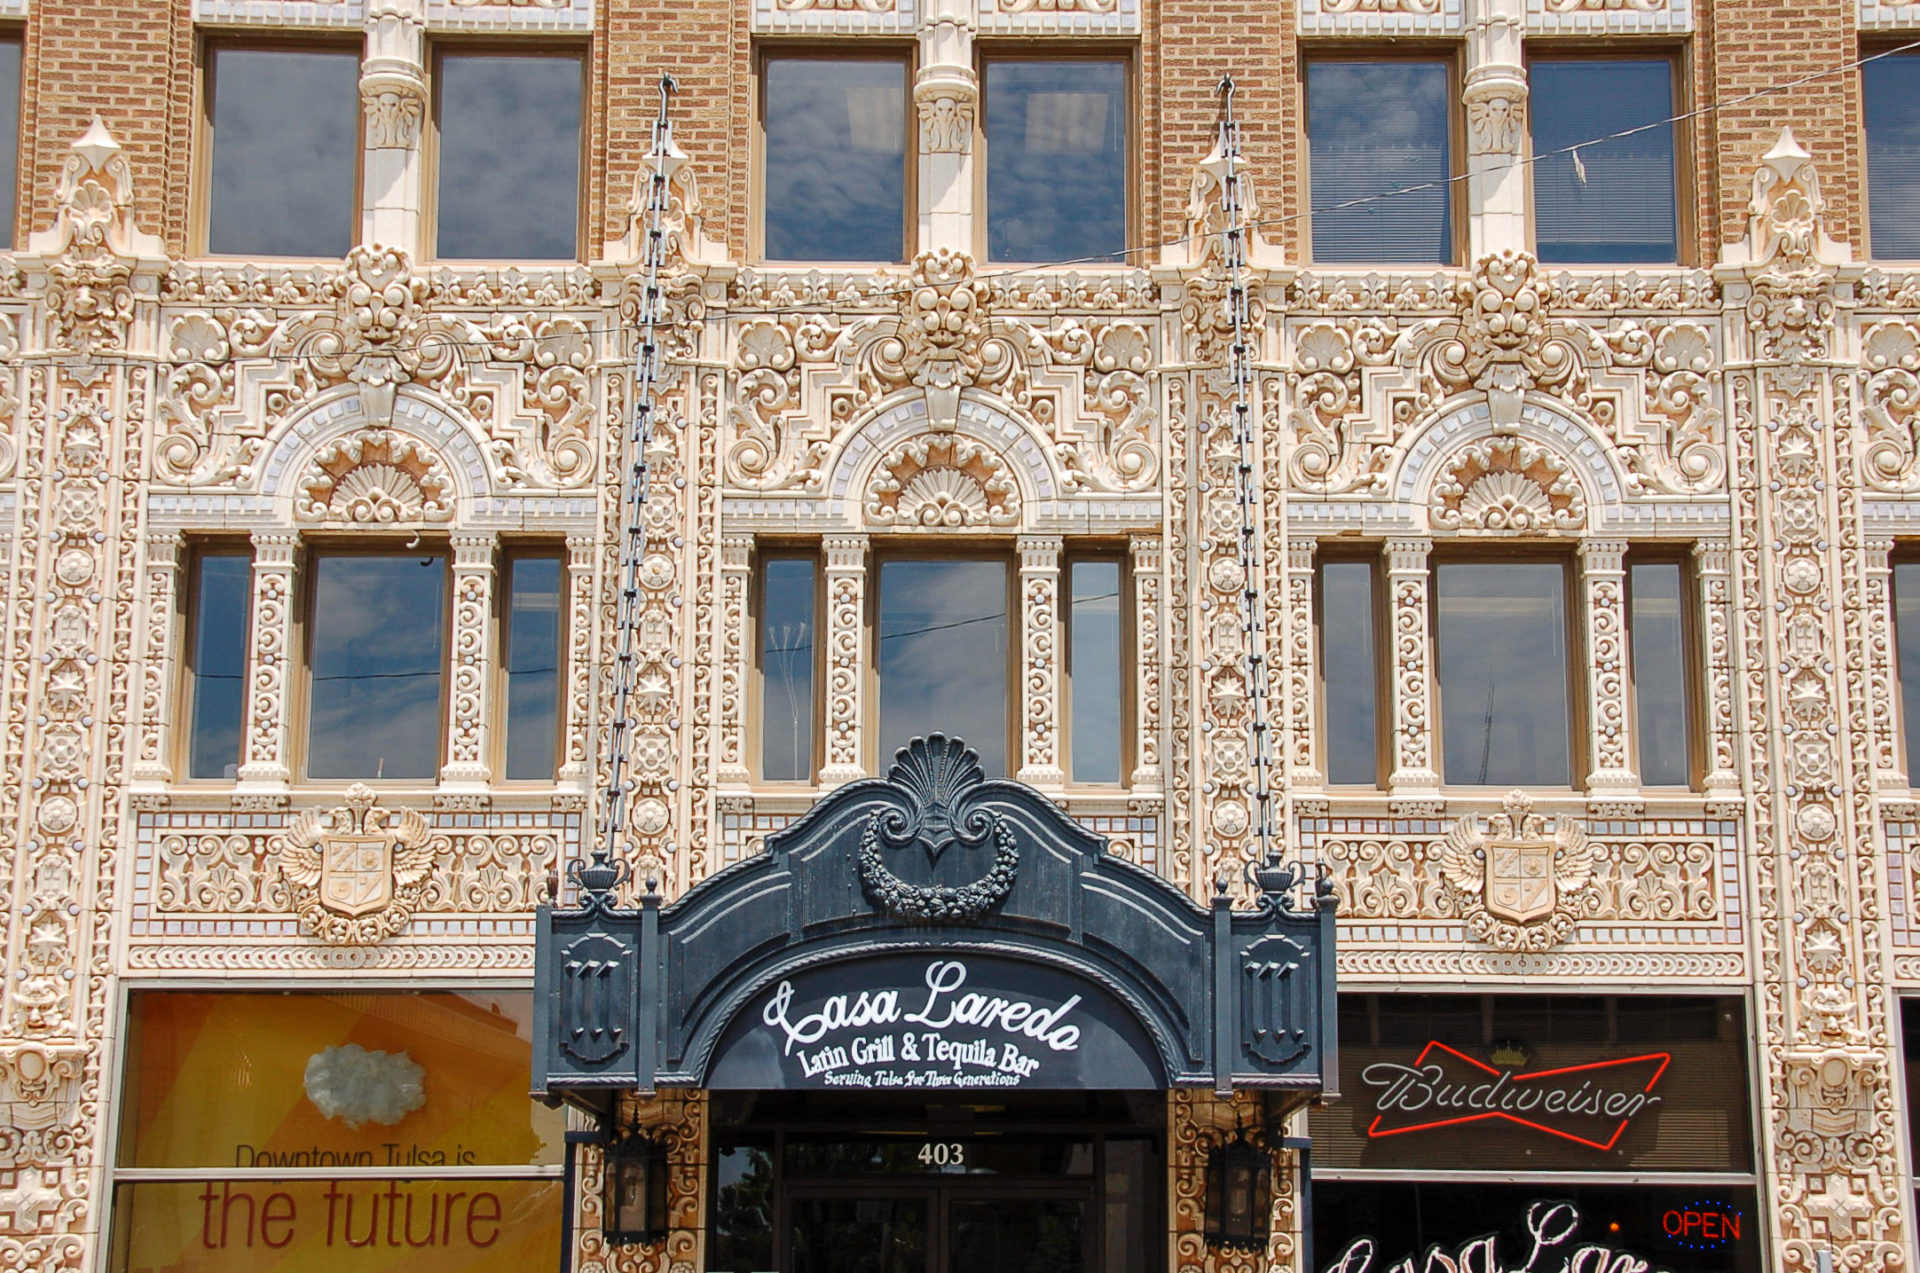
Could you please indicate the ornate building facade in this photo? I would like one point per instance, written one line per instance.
(1547, 610)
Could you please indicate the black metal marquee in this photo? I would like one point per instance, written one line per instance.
(934, 929)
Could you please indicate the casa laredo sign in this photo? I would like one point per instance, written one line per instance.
(1591, 1104)
(934, 1021)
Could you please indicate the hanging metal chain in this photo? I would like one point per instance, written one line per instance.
(1253, 621)
(665, 159)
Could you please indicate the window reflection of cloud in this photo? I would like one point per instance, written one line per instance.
(509, 158)
(9, 134)
(377, 650)
(285, 150)
(943, 655)
(1056, 160)
(1374, 128)
(836, 160)
(1503, 672)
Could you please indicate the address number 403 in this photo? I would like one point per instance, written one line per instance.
(943, 1153)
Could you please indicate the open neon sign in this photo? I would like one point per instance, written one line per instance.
(1589, 1104)
(1702, 1225)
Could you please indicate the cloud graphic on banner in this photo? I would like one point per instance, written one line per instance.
(357, 1086)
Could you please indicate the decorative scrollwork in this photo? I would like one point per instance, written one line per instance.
(955, 904)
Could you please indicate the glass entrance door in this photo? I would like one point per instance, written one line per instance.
(947, 1228)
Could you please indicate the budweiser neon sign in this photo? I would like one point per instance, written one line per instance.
(1589, 1104)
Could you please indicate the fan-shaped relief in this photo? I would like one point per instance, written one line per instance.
(942, 480)
(375, 477)
(1891, 414)
(1507, 485)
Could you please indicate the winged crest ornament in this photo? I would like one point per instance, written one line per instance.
(355, 874)
(1517, 887)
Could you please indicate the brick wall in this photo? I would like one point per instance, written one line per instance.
(131, 61)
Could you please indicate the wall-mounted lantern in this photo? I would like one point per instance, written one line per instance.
(1239, 1194)
(635, 1206)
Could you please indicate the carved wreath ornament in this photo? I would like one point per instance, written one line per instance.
(936, 772)
(1517, 888)
(356, 874)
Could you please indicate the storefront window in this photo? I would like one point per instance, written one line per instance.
(402, 1121)
(1614, 1101)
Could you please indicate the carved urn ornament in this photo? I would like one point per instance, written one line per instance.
(356, 874)
(1517, 886)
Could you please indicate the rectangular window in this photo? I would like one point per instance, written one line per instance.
(535, 648)
(941, 650)
(835, 159)
(1056, 138)
(283, 129)
(509, 156)
(1096, 679)
(1350, 673)
(1614, 202)
(1906, 630)
(9, 135)
(1657, 637)
(220, 593)
(376, 646)
(1505, 701)
(789, 653)
(1891, 88)
(1375, 128)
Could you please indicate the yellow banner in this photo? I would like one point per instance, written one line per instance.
(334, 1081)
(337, 1226)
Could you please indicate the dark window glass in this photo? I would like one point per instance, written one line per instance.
(1906, 627)
(509, 163)
(1351, 672)
(1502, 635)
(533, 665)
(9, 136)
(1891, 87)
(836, 161)
(943, 656)
(1056, 161)
(376, 647)
(218, 662)
(1093, 670)
(1612, 202)
(787, 630)
(286, 148)
(1374, 128)
(1657, 636)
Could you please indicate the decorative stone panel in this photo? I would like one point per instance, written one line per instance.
(1059, 17)
(1610, 17)
(835, 17)
(1886, 15)
(278, 13)
(1372, 18)
(1131, 828)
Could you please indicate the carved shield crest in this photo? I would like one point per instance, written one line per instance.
(356, 873)
(1520, 885)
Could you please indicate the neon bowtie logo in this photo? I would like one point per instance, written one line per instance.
(1588, 1104)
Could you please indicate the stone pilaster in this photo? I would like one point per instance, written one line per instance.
(946, 101)
(1415, 773)
(266, 763)
(159, 671)
(736, 578)
(393, 98)
(1603, 592)
(1149, 660)
(471, 697)
(847, 659)
(1040, 662)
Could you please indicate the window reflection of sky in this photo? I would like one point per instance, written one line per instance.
(509, 158)
(835, 160)
(1616, 205)
(1056, 160)
(786, 670)
(1658, 645)
(1094, 665)
(376, 648)
(1349, 669)
(1373, 128)
(219, 663)
(1890, 88)
(942, 656)
(286, 148)
(533, 666)
(1502, 637)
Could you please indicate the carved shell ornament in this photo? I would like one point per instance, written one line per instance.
(944, 481)
(1507, 486)
(935, 776)
(1517, 887)
(376, 477)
